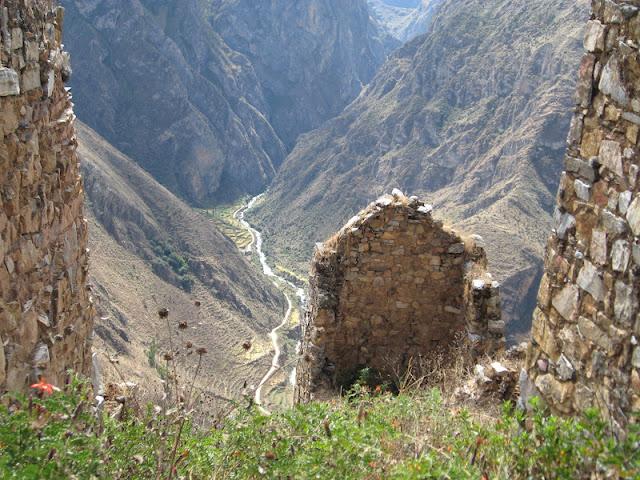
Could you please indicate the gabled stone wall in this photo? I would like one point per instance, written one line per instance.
(584, 350)
(46, 315)
(392, 285)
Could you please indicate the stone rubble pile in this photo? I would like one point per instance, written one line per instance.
(46, 314)
(392, 285)
(584, 350)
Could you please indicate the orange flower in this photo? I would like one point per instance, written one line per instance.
(43, 387)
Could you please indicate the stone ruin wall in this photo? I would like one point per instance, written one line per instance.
(46, 314)
(584, 350)
(393, 284)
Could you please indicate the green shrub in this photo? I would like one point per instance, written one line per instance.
(167, 256)
(379, 436)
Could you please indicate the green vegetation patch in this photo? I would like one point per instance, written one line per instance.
(373, 436)
(168, 256)
(222, 216)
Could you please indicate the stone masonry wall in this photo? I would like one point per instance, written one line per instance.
(584, 350)
(46, 314)
(393, 284)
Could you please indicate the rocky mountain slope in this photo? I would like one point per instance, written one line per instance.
(155, 80)
(404, 20)
(311, 57)
(210, 121)
(149, 250)
(473, 116)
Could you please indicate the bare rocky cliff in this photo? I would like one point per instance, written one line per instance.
(405, 20)
(159, 84)
(208, 95)
(473, 116)
(311, 57)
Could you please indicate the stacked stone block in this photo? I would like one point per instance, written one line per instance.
(584, 349)
(46, 314)
(392, 285)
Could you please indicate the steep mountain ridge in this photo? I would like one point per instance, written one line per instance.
(138, 231)
(404, 20)
(157, 82)
(473, 116)
(311, 57)
(211, 122)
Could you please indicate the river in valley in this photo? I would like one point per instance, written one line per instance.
(283, 285)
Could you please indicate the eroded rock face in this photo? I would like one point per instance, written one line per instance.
(162, 86)
(46, 315)
(391, 285)
(586, 324)
(311, 57)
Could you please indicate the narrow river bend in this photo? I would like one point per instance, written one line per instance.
(277, 280)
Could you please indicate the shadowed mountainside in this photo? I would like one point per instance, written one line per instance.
(473, 116)
(404, 20)
(209, 121)
(311, 57)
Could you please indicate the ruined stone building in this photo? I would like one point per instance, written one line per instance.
(45, 310)
(584, 350)
(393, 284)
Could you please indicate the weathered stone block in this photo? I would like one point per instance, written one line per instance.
(626, 303)
(611, 156)
(585, 81)
(620, 255)
(635, 252)
(566, 302)
(624, 200)
(594, 36)
(611, 81)
(31, 78)
(635, 360)
(542, 333)
(565, 369)
(598, 248)
(560, 392)
(613, 224)
(566, 223)
(580, 167)
(9, 82)
(590, 280)
(633, 216)
(593, 333)
(16, 39)
(631, 117)
(583, 190)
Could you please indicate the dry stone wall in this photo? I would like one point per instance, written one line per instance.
(45, 311)
(584, 350)
(392, 285)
